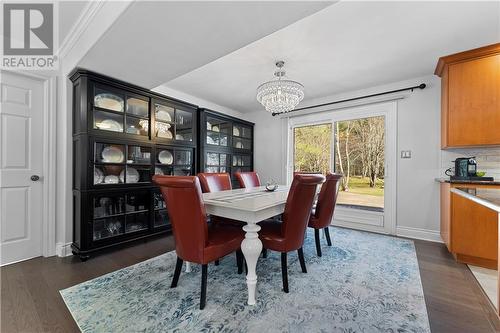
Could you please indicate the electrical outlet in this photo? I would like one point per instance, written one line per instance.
(405, 153)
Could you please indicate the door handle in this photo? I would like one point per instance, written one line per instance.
(35, 178)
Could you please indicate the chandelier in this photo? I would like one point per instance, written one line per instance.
(280, 95)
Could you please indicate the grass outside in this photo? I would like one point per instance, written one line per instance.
(360, 185)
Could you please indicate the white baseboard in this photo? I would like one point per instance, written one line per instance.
(63, 249)
(417, 233)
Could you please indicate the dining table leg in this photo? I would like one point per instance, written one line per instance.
(188, 267)
(251, 247)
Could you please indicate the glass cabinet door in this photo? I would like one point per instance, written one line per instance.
(108, 216)
(137, 211)
(118, 111)
(139, 155)
(137, 116)
(242, 137)
(160, 210)
(183, 125)
(164, 121)
(174, 161)
(109, 106)
(109, 167)
(216, 162)
(164, 164)
(218, 132)
(173, 123)
(118, 164)
(241, 163)
(108, 100)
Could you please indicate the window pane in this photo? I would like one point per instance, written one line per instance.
(360, 157)
(312, 148)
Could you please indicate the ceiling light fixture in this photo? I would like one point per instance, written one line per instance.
(280, 95)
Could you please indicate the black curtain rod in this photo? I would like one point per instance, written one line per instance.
(420, 86)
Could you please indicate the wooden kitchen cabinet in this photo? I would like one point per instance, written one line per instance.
(474, 232)
(470, 97)
(469, 230)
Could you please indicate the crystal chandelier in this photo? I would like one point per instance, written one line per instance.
(280, 95)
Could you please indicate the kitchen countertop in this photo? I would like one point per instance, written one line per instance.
(478, 182)
(488, 197)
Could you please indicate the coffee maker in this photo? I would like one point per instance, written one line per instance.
(465, 169)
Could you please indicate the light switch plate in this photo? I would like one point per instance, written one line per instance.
(405, 153)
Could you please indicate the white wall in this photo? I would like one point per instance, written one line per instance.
(202, 103)
(418, 131)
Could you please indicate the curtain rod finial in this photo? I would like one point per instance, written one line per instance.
(422, 86)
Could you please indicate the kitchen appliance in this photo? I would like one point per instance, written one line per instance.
(465, 169)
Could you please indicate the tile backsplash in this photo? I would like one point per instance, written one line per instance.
(488, 159)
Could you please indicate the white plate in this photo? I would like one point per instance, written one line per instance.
(236, 131)
(132, 175)
(209, 126)
(111, 154)
(239, 145)
(111, 179)
(163, 115)
(165, 134)
(165, 157)
(159, 171)
(215, 128)
(179, 137)
(98, 176)
(109, 101)
(110, 125)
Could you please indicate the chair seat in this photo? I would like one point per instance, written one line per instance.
(271, 237)
(222, 240)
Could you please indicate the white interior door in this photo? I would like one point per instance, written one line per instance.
(364, 136)
(21, 162)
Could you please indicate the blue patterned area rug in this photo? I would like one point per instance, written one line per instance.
(363, 283)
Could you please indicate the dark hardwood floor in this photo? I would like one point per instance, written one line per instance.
(30, 300)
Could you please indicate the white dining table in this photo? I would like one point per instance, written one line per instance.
(250, 205)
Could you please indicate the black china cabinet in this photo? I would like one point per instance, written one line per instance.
(225, 144)
(122, 136)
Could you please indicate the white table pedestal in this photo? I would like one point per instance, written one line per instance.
(251, 247)
(250, 205)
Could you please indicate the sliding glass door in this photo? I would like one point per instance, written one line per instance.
(360, 157)
(358, 143)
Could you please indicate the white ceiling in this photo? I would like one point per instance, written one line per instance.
(154, 42)
(347, 46)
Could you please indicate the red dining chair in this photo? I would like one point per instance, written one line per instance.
(288, 235)
(248, 179)
(321, 216)
(195, 240)
(215, 182)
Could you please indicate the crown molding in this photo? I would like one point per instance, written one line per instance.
(480, 52)
(81, 24)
